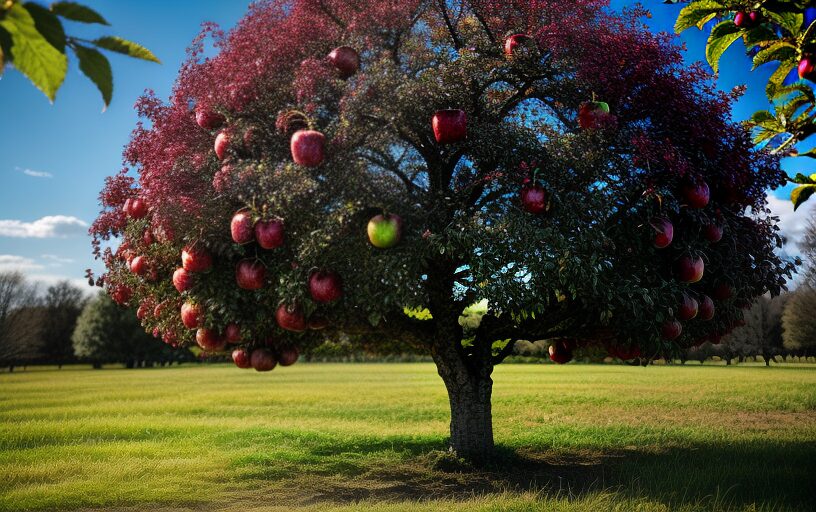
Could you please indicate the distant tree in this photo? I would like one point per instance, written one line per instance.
(799, 320)
(108, 333)
(62, 305)
(20, 320)
(33, 40)
(762, 332)
(808, 247)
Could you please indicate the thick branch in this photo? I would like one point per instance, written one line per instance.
(457, 43)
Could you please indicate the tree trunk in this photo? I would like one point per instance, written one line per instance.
(97, 365)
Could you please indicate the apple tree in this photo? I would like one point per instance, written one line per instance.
(371, 169)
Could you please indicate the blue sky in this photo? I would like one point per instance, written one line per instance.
(54, 158)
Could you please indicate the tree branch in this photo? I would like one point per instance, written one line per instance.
(457, 43)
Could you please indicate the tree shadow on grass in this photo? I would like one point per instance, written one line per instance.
(328, 470)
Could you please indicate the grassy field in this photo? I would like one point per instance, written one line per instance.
(371, 437)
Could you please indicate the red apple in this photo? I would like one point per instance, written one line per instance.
(138, 208)
(126, 206)
(346, 60)
(325, 286)
(807, 68)
(270, 234)
(308, 148)
(384, 231)
(210, 340)
(222, 144)
(671, 329)
(250, 274)
(170, 338)
(182, 280)
(138, 265)
(196, 259)
(747, 20)
(191, 315)
(449, 126)
(706, 310)
(232, 333)
(263, 360)
(713, 233)
(516, 41)
(241, 358)
(143, 310)
(208, 119)
(690, 269)
(534, 198)
(688, 308)
(664, 232)
(288, 356)
(593, 114)
(290, 318)
(242, 227)
(697, 194)
(559, 353)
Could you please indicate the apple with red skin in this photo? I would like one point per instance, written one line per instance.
(250, 274)
(222, 144)
(722, 291)
(232, 333)
(290, 318)
(746, 20)
(534, 198)
(210, 340)
(241, 358)
(689, 307)
(807, 68)
(242, 227)
(515, 41)
(713, 233)
(191, 315)
(263, 360)
(138, 208)
(346, 60)
(559, 355)
(270, 234)
(308, 148)
(138, 265)
(664, 232)
(126, 206)
(142, 312)
(196, 259)
(671, 329)
(449, 126)
(170, 338)
(325, 286)
(690, 269)
(706, 309)
(288, 356)
(182, 280)
(384, 230)
(208, 119)
(591, 114)
(697, 194)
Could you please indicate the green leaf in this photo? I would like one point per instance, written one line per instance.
(695, 12)
(777, 78)
(96, 67)
(801, 194)
(781, 51)
(119, 45)
(77, 12)
(722, 36)
(32, 54)
(759, 35)
(48, 25)
(789, 20)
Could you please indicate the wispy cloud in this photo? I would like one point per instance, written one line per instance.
(34, 174)
(31, 269)
(14, 263)
(51, 226)
(792, 224)
(56, 261)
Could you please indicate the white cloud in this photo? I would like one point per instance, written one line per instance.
(56, 261)
(35, 174)
(43, 281)
(47, 227)
(13, 263)
(792, 224)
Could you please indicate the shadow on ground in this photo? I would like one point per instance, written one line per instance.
(774, 475)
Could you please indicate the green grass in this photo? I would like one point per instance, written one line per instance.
(371, 437)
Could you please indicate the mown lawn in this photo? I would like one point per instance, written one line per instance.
(370, 437)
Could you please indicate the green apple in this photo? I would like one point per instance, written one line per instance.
(385, 231)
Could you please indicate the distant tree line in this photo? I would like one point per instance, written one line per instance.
(63, 326)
